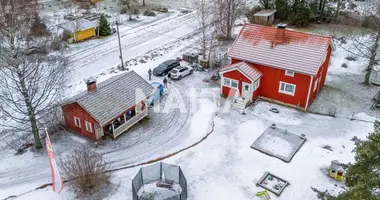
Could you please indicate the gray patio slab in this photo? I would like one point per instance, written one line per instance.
(279, 143)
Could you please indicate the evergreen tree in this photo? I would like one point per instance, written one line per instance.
(282, 8)
(300, 13)
(104, 26)
(363, 177)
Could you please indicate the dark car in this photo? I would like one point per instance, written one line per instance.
(165, 67)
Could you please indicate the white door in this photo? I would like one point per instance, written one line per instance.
(246, 91)
(98, 131)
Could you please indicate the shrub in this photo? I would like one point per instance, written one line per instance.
(351, 58)
(370, 22)
(344, 65)
(87, 170)
(123, 10)
(352, 5)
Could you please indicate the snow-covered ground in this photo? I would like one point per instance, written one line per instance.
(344, 92)
(225, 167)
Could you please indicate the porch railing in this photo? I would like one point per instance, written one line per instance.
(128, 124)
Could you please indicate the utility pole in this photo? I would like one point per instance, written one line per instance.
(121, 53)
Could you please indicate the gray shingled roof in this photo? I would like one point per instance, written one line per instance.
(78, 25)
(113, 96)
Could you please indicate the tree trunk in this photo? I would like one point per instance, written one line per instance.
(372, 60)
(337, 9)
(143, 2)
(31, 114)
(228, 34)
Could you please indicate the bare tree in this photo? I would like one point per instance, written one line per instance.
(226, 14)
(366, 45)
(267, 4)
(31, 79)
(205, 17)
(87, 170)
(339, 4)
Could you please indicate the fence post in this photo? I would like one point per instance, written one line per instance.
(160, 170)
(142, 177)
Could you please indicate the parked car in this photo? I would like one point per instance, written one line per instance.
(156, 94)
(165, 67)
(180, 72)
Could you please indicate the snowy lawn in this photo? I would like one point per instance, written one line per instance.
(344, 92)
(225, 167)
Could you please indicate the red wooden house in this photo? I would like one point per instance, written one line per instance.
(111, 107)
(276, 64)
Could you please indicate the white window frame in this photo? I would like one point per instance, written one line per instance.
(229, 82)
(88, 126)
(256, 85)
(237, 83)
(287, 92)
(289, 73)
(77, 123)
(315, 84)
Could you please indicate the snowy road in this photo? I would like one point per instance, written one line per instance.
(134, 41)
(146, 142)
(162, 134)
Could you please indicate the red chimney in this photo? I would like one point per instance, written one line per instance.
(280, 36)
(91, 85)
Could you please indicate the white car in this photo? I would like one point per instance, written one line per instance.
(180, 72)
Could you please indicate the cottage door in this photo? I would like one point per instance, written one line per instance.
(246, 90)
(98, 131)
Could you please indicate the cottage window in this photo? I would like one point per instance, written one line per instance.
(287, 88)
(77, 122)
(227, 82)
(234, 84)
(315, 84)
(256, 84)
(289, 73)
(88, 127)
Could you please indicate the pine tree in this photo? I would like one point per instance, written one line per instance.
(300, 13)
(104, 26)
(282, 8)
(363, 177)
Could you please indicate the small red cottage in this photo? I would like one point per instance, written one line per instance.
(276, 64)
(110, 108)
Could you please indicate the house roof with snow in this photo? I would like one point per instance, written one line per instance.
(245, 68)
(265, 13)
(299, 52)
(77, 25)
(113, 96)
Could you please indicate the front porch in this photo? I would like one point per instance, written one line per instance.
(126, 121)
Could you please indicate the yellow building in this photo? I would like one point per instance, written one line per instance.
(79, 30)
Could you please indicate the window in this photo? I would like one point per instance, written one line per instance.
(315, 84)
(234, 83)
(289, 73)
(77, 122)
(256, 84)
(227, 82)
(246, 87)
(88, 127)
(287, 88)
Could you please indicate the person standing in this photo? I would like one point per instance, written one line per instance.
(150, 74)
(165, 82)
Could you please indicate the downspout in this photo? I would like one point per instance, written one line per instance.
(308, 94)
